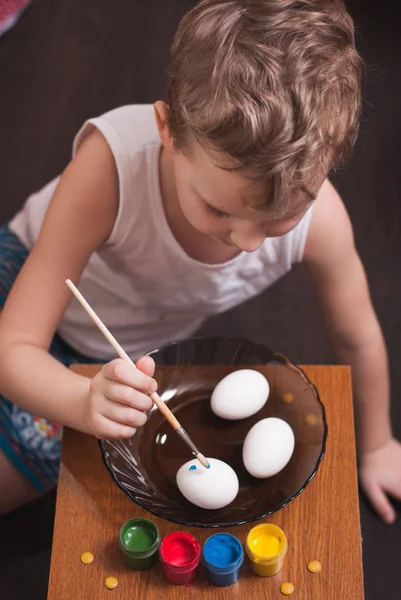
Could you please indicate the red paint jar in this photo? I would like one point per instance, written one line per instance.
(180, 555)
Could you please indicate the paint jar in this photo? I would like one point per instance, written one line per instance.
(223, 556)
(180, 556)
(266, 546)
(139, 543)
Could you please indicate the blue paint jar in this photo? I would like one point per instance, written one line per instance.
(223, 556)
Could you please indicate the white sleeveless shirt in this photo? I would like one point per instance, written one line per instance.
(142, 284)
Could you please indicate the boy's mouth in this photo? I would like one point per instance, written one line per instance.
(224, 241)
(227, 243)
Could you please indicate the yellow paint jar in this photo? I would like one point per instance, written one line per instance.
(266, 546)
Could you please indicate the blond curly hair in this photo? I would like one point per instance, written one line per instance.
(272, 87)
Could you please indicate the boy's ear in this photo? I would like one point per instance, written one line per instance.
(161, 116)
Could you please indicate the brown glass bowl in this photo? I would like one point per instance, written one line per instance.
(145, 466)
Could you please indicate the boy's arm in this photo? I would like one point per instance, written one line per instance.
(341, 286)
(80, 217)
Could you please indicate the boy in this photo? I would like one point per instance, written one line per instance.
(167, 220)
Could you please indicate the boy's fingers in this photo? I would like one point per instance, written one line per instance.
(146, 365)
(380, 502)
(110, 430)
(123, 372)
(123, 394)
(124, 415)
(394, 489)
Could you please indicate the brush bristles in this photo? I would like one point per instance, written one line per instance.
(204, 462)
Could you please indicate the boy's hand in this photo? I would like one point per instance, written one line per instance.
(380, 474)
(118, 398)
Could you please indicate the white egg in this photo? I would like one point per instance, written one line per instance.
(268, 447)
(210, 488)
(240, 394)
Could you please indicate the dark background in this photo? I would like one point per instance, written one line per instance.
(67, 60)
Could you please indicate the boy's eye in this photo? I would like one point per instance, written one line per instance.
(216, 212)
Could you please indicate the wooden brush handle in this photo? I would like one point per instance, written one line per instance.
(164, 409)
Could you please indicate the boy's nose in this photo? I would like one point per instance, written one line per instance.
(247, 241)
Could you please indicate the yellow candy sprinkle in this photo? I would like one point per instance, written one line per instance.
(87, 558)
(287, 589)
(111, 583)
(287, 398)
(314, 566)
(311, 419)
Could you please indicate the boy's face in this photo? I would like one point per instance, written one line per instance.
(214, 202)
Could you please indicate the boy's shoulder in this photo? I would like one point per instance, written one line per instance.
(131, 127)
(131, 113)
(330, 239)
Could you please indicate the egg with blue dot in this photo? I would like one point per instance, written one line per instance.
(211, 488)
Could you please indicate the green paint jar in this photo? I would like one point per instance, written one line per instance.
(139, 543)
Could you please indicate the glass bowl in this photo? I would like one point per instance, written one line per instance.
(145, 466)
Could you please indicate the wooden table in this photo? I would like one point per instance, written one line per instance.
(322, 523)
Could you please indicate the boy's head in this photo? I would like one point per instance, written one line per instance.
(268, 92)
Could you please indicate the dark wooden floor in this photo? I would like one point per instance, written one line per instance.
(67, 60)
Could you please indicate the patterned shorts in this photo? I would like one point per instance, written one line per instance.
(31, 444)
